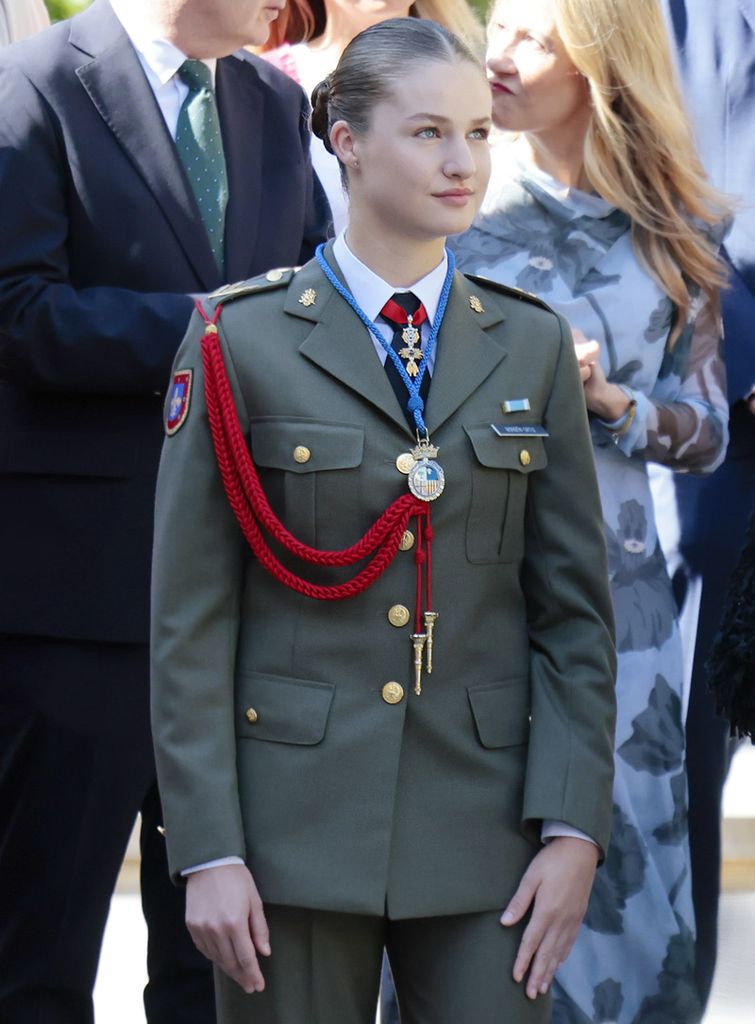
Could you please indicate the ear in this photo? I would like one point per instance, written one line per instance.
(345, 145)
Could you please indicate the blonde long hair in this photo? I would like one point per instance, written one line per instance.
(639, 149)
(302, 20)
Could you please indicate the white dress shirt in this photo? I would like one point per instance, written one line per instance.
(160, 61)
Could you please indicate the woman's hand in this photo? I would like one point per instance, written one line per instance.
(226, 920)
(557, 886)
(607, 401)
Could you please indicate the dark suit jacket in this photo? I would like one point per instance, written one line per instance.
(716, 57)
(422, 803)
(100, 242)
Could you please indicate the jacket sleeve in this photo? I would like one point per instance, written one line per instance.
(54, 335)
(318, 218)
(198, 559)
(570, 618)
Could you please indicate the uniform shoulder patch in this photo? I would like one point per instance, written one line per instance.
(178, 401)
(278, 278)
(515, 293)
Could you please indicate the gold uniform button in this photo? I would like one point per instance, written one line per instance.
(524, 457)
(398, 615)
(274, 275)
(393, 693)
(404, 462)
(407, 541)
(251, 716)
(302, 453)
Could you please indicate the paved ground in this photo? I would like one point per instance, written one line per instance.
(122, 975)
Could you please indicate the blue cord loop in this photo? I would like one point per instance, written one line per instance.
(415, 405)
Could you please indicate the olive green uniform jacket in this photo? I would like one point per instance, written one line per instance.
(336, 799)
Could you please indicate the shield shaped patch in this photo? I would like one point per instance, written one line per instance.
(178, 405)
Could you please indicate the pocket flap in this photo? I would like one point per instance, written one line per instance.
(282, 710)
(501, 712)
(306, 446)
(523, 453)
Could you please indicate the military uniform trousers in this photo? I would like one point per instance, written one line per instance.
(325, 969)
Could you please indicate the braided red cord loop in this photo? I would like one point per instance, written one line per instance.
(252, 509)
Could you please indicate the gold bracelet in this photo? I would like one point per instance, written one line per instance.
(616, 434)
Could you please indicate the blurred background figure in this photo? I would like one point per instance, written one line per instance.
(715, 45)
(21, 18)
(600, 206)
(309, 38)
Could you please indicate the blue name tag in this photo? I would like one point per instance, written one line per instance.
(519, 430)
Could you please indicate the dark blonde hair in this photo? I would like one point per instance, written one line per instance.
(639, 149)
(372, 64)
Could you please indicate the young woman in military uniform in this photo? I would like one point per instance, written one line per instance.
(383, 665)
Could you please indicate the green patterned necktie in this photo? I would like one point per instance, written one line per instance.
(200, 148)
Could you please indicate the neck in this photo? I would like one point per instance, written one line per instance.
(398, 264)
(341, 25)
(188, 30)
(560, 153)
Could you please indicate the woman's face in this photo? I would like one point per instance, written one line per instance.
(424, 163)
(535, 86)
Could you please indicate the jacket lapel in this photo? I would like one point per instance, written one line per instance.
(466, 354)
(240, 106)
(118, 88)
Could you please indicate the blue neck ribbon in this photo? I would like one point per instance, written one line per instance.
(415, 405)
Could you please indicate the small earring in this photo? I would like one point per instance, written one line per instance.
(355, 163)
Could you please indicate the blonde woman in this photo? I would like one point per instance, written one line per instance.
(599, 204)
(311, 35)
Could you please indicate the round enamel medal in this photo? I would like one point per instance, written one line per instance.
(426, 480)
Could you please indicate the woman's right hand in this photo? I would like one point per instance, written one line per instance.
(226, 920)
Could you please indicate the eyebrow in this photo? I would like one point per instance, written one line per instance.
(425, 116)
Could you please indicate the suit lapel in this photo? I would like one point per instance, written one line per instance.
(466, 354)
(118, 88)
(339, 343)
(240, 104)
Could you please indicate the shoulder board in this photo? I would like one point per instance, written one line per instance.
(264, 283)
(506, 289)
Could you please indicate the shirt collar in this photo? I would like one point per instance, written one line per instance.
(159, 57)
(372, 292)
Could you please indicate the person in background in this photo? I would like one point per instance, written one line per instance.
(21, 18)
(332, 785)
(139, 164)
(600, 205)
(715, 44)
(309, 38)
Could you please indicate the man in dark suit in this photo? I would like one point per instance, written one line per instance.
(104, 238)
(716, 46)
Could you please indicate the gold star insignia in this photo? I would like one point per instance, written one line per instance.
(475, 305)
(308, 298)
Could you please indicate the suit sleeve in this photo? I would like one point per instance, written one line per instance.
(570, 618)
(318, 218)
(53, 335)
(196, 583)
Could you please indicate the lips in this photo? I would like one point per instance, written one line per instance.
(457, 193)
(499, 87)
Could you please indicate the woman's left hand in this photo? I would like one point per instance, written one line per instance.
(556, 886)
(606, 400)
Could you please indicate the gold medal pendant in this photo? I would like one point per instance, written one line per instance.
(426, 477)
(412, 353)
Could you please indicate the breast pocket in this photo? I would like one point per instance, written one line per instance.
(311, 473)
(500, 470)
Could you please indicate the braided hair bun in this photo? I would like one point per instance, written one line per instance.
(320, 119)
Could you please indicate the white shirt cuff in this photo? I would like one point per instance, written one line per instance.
(221, 862)
(554, 829)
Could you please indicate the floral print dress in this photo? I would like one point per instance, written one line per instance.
(634, 958)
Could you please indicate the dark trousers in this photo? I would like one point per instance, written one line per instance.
(325, 969)
(714, 513)
(76, 766)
